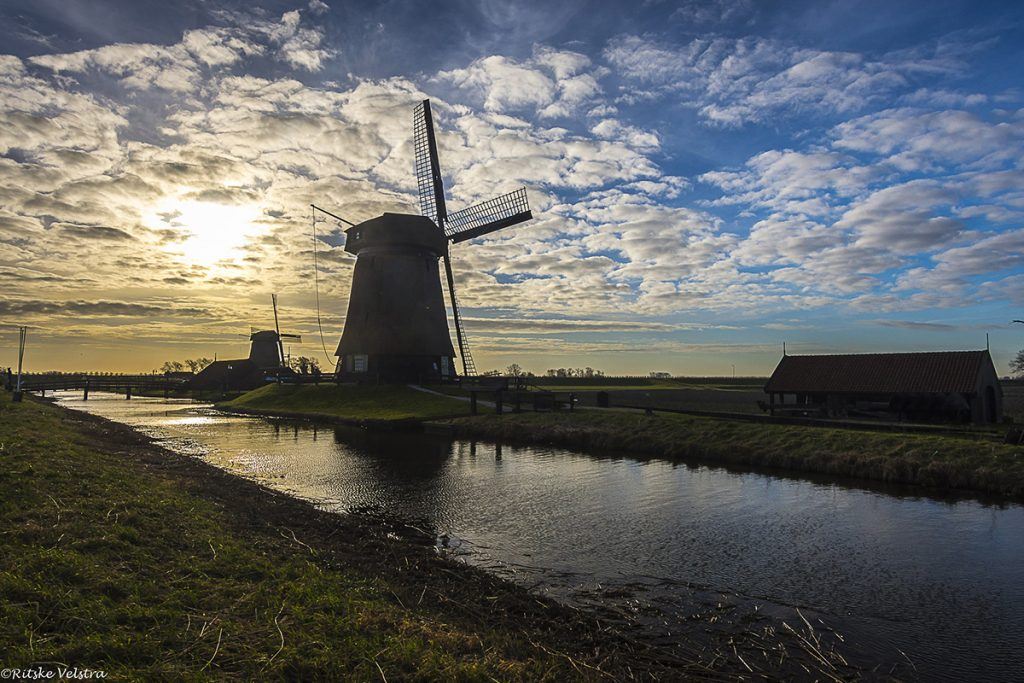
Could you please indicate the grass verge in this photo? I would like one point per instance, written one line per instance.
(120, 556)
(942, 462)
(347, 403)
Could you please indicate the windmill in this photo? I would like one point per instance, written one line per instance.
(267, 349)
(396, 328)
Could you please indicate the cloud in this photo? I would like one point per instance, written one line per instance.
(299, 46)
(552, 83)
(917, 325)
(180, 67)
(703, 12)
(95, 309)
(793, 182)
(902, 218)
(94, 232)
(735, 81)
(318, 6)
(914, 140)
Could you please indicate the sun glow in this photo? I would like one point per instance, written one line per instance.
(208, 233)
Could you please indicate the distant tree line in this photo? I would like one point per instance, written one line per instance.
(574, 372)
(304, 365)
(516, 370)
(192, 365)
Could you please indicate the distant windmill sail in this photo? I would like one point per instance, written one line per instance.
(475, 221)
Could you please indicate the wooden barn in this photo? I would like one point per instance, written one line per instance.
(943, 386)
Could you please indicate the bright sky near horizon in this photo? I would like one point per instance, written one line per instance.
(709, 178)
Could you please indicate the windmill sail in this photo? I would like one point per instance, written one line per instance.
(481, 219)
(428, 169)
(431, 194)
(494, 214)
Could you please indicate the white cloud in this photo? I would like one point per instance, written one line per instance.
(299, 46)
(915, 140)
(552, 83)
(732, 82)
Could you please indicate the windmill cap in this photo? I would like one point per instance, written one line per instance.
(396, 230)
(263, 335)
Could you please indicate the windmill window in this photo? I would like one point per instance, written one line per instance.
(359, 362)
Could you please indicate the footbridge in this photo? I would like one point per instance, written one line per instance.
(87, 381)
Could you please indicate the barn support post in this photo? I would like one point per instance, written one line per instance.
(472, 403)
(128, 393)
(498, 402)
(771, 404)
(518, 404)
(85, 391)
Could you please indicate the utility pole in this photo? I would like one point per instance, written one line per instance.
(22, 334)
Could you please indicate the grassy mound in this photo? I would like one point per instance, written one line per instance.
(346, 402)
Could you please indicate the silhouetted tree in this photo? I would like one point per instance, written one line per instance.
(514, 370)
(305, 365)
(197, 364)
(1017, 364)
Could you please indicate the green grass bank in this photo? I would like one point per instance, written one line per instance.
(941, 462)
(347, 403)
(119, 556)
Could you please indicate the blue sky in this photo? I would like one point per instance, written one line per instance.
(709, 178)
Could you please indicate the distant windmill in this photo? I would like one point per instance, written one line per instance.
(267, 348)
(396, 328)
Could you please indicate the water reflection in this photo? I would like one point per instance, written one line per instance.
(941, 579)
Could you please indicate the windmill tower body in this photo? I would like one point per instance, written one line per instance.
(264, 349)
(396, 328)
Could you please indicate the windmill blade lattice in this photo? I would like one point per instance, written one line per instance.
(485, 217)
(428, 170)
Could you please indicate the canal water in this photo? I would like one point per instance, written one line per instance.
(933, 587)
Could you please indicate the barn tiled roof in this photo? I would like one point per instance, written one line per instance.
(879, 373)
